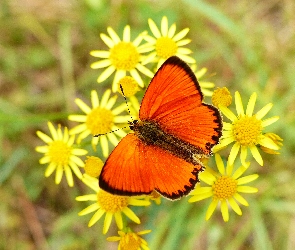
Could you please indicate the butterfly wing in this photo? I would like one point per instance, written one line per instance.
(134, 168)
(173, 177)
(126, 172)
(174, 100)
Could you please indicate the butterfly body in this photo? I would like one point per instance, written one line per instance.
(151, 133)
(175, 129)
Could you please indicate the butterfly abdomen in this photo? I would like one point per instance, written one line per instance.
(151, 133)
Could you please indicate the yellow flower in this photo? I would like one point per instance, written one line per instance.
(246, 130)
(108, 204)
(93, 166)
(154, 196)
(129, 86)
(205, 85)
(100, 120)
(224, 188)
(166, 43)
(276, 139)
(221, 96)
(123, 56)
(60, 154)
(130, 240)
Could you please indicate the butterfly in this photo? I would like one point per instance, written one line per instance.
(174, 131)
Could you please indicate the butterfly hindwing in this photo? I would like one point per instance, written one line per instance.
(125, 171)
(134, 168)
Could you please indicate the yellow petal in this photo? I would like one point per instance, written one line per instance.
(154, 28)
(251, 104)
(233, 153)
(224, 210)
(69, 176)
(235, 206)
(44, 137)
(96, 217)
(181, 34)
(116, 39)
(247, 189)
(107, 222)
(211, 209)
(84, 107)
(262, 112)
(131, 215)
(256, 155)
(106, 73)
(239, 104)
(164, 26)
(100, 53)
(247, 179)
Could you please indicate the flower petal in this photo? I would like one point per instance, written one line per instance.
(247, 179)
(154, 28)
(116, 39)
(180, 34)
(199, 197)
(269, 121)
(77, 118)
(224, 210)
(107, 222)
(69, 176)
(84, 107)
(247, 189)
(131, 215)
(101, 64)
(235, 206)
(58, 174)
(211, 208)
(44, 137)
(240, 199)
(256, 155)
(90, 209)
(230, 115)
(171, 30)
(233, 153)
(164, 26)
(88, 197)
(119, 220)
(106, 73)
(126, 34)
(108, 41)
(95, 217)
(239, 104)
(262, 112)
(100, 53)
(251, 104)
(268, 143)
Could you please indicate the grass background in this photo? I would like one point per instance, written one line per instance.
(44, 66)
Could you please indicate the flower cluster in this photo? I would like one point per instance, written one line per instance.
(104, 122)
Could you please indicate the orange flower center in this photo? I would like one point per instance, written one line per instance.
(59, 152)
(247, 130)
(130, 241)
(224, 187)
(166, 47)
(100, 121)
(93, 166)
(111, 203)
(124, 56)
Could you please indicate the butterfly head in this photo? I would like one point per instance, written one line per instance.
(132, 124)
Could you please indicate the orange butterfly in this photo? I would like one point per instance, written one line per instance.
(174, 131)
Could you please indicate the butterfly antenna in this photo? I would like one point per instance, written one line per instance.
(126, 101)
(128, 112)
(110, 131)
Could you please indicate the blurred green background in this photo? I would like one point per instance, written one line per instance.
(44, 65)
